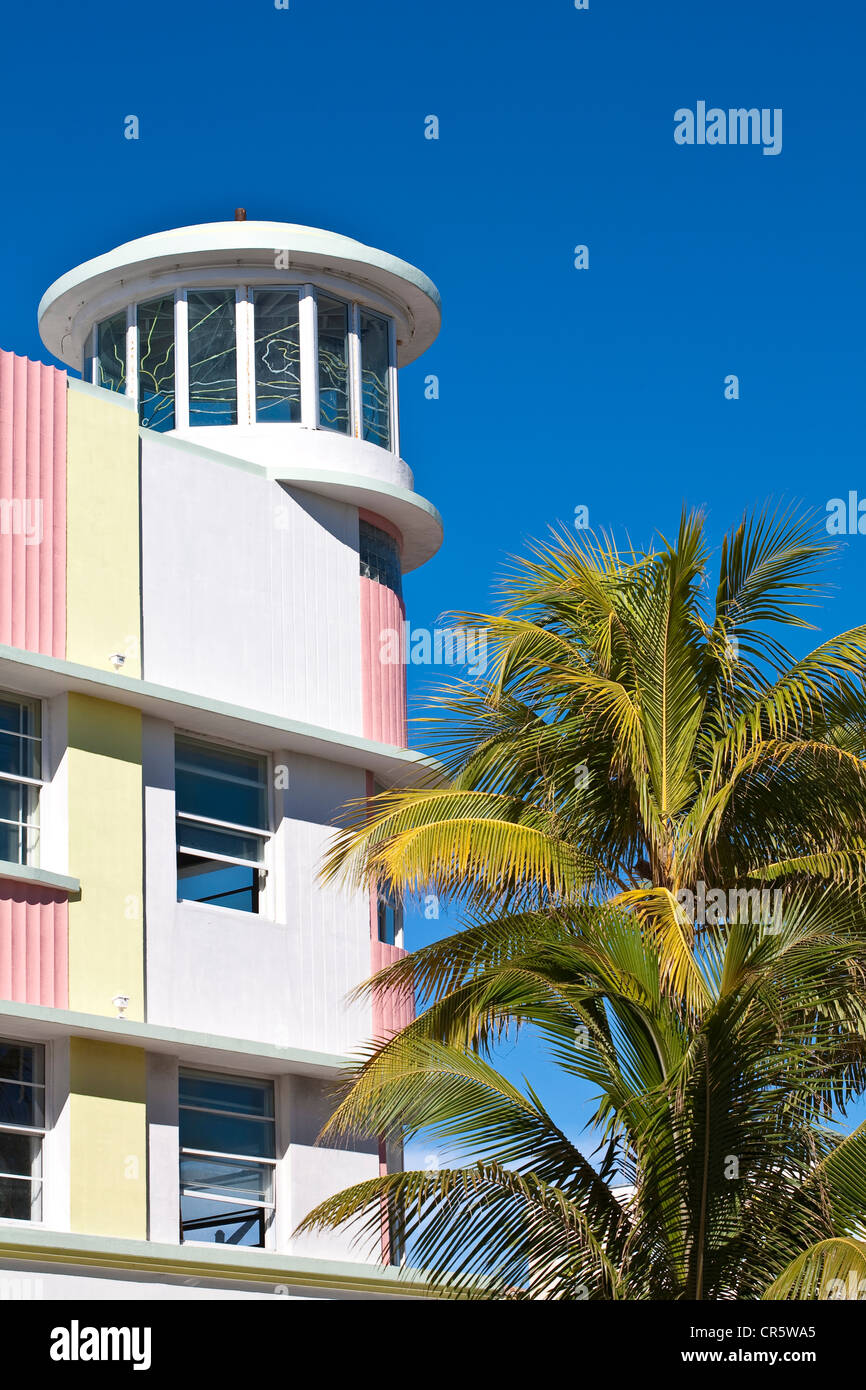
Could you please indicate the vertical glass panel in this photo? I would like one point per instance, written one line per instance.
(156, 364)
(333, 319)
(375, 383)
(277, 356)
(111, 353)
(213, 380)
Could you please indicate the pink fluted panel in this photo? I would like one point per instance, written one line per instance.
(393, 1011)
(32, 474)
(34, 927)
(383, 684)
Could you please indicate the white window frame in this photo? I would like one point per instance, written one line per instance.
(32, 1131)
(268, 1207)
(263, 865)
(26, 858)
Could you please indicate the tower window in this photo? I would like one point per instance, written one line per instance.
(333, 320)
(227, 1159)
(111, 353)
(375, 379)
(277, 356)
(221, 800)
(252, 355)
(213, 372)
(20, 779)
(22, 1129)
(156, 364)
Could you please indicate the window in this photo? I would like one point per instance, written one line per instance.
(213, 373)
(379, 557)
(156, 364)
(20, 779)
(390, 920)
(375, 382)
(221, 799)
(333, 320)
(22, 1129)
(277, 356)
(111, 353)
(351, 369)
(227, 1159)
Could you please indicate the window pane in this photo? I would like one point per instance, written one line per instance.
(277, 355)
(226, 1177)
(213, 383)
(227, 1093)
(227, 1134)
(156, 364)
(375, 383)
(390, 922)
(333, 319)
(20, 1154)
(224, 885)
(223, 785)
(379, 557)
(222, 1223)
(233, 844)
(235, 802)
(19, 717)
(20, 1200)
(233, 1134)
(20, 1104)
(111, 353)
(19, 756)
(22, 1062)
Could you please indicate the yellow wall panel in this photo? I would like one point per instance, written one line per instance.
(103, 571)
(108, 1139)
(106, 925)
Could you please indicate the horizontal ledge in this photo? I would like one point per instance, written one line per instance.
(31, 673)
(415, 517)
(417, 520)
(28, 873)
(101, 393)
(261, 1267)
(42, 1022)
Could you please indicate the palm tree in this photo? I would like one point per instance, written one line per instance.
(635, 748)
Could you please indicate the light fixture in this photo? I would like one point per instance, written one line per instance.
(117, 659)
(121, 1003)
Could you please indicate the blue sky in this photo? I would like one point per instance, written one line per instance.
(559, 387)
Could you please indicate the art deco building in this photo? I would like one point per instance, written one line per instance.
(201, 542)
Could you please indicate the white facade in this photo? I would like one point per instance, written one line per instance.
(252, 648)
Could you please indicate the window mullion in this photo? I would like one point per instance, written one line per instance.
(181, 360)
(309, 340)
(354, 365)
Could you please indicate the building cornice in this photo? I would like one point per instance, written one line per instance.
(217, 1263)
(40, 1022)
(32, 673)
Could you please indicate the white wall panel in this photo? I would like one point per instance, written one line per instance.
(250, 589)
